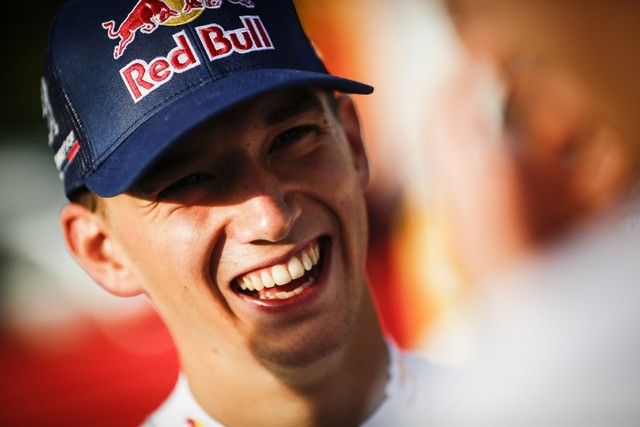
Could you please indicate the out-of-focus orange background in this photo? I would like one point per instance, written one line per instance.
(72, 355)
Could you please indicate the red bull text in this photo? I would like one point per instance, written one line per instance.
(142, 77)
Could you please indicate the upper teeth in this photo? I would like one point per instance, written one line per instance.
(281, 274)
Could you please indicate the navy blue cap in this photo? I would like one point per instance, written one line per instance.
(124, 79)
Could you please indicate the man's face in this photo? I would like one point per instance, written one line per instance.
(251, 232)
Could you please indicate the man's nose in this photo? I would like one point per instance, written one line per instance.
(266, 216)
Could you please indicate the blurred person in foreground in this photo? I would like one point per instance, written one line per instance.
(211, 164)
(543, 187)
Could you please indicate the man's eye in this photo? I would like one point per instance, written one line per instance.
(190, 180)
(291, 136)
(185, 184)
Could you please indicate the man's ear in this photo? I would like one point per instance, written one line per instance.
(573, 163)
(348, 115)
(87, 238)
(602, 173)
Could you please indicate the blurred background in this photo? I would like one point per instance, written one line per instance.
(72, 355)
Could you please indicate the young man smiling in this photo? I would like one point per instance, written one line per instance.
(211, 165)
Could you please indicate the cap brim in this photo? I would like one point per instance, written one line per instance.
(146, 143)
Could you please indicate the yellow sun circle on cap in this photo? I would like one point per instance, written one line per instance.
(183, 18)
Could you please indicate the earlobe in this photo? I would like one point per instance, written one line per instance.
(89, 243)
(350, 120)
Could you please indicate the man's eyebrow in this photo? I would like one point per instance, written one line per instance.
(303, 102)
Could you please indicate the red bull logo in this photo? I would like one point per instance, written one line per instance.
(142, 77)
(190, 5)
(147, 15)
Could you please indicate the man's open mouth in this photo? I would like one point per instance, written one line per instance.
(282, 281)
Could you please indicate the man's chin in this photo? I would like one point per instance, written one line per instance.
(292, 355)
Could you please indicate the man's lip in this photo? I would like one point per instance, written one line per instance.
(272, 285)
(279, 274)
(305, 299)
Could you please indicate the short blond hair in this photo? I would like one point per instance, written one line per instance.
(90, 201)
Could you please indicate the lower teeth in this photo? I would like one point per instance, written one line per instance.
(285, 295)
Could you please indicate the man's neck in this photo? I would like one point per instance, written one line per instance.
(344, 388)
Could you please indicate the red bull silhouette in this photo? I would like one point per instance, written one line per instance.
(190, 5)
(145, 16)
